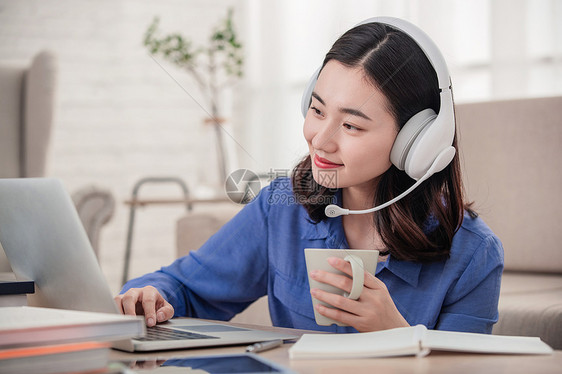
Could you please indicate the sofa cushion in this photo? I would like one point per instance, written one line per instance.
(196, 227)
(510, 152)
(11, 83)
(531, 305)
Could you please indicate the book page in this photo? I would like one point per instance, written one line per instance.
(483, 343)
(394, 342)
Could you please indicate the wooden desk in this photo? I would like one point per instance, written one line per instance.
(436, 362)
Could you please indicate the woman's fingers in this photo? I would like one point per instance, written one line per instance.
(373, 310)
(165, 312)
(337, 280)
(337, 315)
(334, 300)
(145, 301)
(129, 301)
(148, 300)
(344, 266)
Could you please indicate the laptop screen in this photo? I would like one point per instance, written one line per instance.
(44, 241)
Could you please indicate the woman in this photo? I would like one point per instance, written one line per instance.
(440, 264)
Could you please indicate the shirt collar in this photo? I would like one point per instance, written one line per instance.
(408, 271)
(314, 230)
(329, 229)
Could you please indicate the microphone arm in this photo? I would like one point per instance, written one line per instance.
(442, 160)
(336, 211)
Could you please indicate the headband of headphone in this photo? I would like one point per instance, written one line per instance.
(427, 137)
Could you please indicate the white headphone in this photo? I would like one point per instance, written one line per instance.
(424, 144)
(426, 134)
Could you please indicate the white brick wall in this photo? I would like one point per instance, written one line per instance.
(119, 116)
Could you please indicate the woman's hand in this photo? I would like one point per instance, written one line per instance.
(374, 309)
(145, 301)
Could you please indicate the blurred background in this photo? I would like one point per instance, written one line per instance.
(121, 115)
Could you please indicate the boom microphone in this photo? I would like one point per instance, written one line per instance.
(442, 160)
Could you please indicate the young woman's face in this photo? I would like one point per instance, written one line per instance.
(348, 128)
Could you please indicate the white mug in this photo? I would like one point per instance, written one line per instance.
(361, 260)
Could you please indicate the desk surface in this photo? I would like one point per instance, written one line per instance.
(436, 362)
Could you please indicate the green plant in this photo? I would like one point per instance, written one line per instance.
(214, 66)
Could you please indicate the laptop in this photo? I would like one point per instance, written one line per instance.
(45, 241)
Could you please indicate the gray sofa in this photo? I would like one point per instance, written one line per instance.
(27, 106)
(511, 156)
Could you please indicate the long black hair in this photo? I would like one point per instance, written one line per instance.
(421, 226)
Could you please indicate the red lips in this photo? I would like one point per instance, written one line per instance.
(325, 164)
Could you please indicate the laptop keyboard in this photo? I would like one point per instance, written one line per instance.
(162, 333)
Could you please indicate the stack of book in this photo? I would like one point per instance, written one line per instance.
(44, 340)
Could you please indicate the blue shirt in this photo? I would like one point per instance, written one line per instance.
(261, 252)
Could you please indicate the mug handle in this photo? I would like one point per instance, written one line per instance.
(358, 272)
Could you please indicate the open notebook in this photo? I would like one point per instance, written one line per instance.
(415, 340)
(44, 240)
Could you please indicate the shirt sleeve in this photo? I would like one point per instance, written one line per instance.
(472, 302)
(225, 275)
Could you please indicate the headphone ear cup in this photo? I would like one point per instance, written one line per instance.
(408, 135)
(431, 144)
(307, 94)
